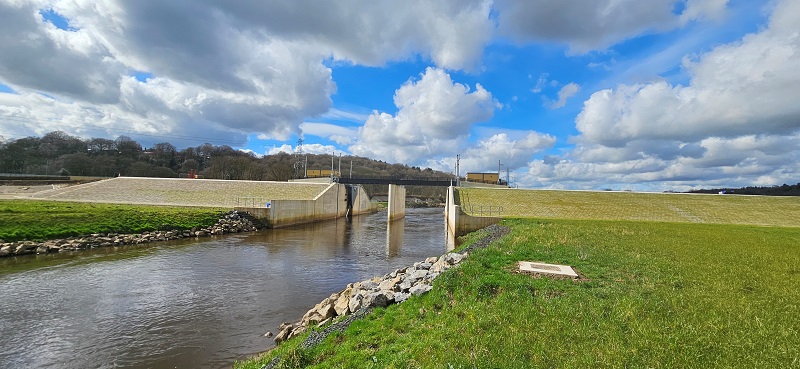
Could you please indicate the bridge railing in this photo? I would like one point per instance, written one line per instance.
(432, 181)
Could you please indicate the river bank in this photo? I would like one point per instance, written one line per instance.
(651, 294)
(230, 222)
(337, 312)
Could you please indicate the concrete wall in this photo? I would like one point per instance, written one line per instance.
(362, 203)
(330, 204)
(459, 223)
(397, 202)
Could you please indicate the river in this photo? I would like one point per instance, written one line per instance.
(193, 303)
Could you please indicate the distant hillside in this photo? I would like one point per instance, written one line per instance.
(785, 190)
(58, 153)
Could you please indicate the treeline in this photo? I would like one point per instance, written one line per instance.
(784, 190)
(58, 153)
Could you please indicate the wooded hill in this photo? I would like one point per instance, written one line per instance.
(784, 190)
(58, 153)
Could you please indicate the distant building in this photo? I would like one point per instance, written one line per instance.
(490, 178)
(320, 173)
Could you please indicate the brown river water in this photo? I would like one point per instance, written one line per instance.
(193, 303)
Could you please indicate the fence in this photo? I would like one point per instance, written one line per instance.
(251, 202)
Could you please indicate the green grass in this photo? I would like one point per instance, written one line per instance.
(657, 295)
(40, 220)
(690, 208)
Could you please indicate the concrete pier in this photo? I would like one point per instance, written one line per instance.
(397, 202)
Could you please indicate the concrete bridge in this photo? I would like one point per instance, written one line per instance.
(278, 204)
(397, 190)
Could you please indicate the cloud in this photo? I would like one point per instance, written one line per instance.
(37, 56)
(434, 117)
(540, 83)
(241, 67)
(735, 123)
(563, 95)
(333, 132)
(512, 152)
(307, 148)
(350, 116)
(742, 88)
(596, 25)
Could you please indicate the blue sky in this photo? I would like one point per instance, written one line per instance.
(623, 94)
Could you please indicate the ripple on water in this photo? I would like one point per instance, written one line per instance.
(198, 304)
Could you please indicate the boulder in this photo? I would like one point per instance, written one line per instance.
(389, 284)
(400, 297)
(355, 302)
(378, 299)
(453, 258)
(342, 304)
(420, 289)
(439, 266)
(283, 334)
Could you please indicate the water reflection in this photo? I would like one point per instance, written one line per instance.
(395, 230)
(193, 303)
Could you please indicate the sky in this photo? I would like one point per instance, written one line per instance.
(657, 95)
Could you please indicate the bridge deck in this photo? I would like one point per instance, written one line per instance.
(440, 182)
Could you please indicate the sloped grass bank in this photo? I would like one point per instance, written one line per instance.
(42, 220)
(593, 205)
(660, 295)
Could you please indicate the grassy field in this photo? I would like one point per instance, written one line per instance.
(657, 295)
(186, 192)
(692, 208)
(38, 220)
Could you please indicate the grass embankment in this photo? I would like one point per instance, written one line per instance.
(41, 220)
(691, 208)
(659, 295)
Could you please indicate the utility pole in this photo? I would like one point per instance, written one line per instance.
(499, 171)
(458, 170)
(351, 169)
(340, 165)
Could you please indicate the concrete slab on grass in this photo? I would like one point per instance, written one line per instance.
(543, 268)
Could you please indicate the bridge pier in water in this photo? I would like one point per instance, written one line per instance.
(397, 202)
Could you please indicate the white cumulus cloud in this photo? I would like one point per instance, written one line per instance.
(434, 117)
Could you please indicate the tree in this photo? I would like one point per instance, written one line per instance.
(164, 154)
(58, 143)
(128, 147)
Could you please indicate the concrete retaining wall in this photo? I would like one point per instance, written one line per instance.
(362, 203)
(459, 223)
(397, 202)
(330, 204)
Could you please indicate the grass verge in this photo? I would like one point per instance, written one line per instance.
(41, 220)
(658, 295)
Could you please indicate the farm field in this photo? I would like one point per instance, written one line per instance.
(40, 220)
(691, 208)
(666, 281)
